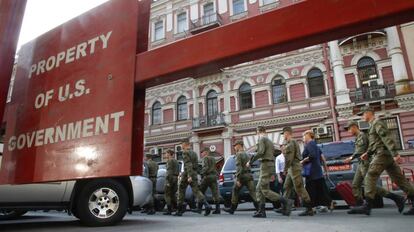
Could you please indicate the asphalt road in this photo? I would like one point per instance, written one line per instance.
(386, 219)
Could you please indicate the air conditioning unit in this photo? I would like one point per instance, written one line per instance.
(363, 125)
(322, 130)
(377, 93)
(153, 151)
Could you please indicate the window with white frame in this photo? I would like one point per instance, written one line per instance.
(245, 96)
(394, 130)
(209, 15)
(238, 7)
(267, 2)
(182, 108)
(316, 83)
(279, 90)
(156, 113)
(181, 22)
(158, 30)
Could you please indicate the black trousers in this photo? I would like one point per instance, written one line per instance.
(318, 192)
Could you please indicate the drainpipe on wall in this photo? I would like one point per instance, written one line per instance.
(331, 90)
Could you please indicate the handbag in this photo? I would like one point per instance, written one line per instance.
(306, 169)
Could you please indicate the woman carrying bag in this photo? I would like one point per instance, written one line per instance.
(312, 162)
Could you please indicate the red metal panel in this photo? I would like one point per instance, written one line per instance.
(11, 16)
(71, 112)
(297, 26)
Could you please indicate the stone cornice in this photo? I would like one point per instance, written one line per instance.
(170, 88)
(277, 63)
(406, 101)
(284, 119)
(168, 137)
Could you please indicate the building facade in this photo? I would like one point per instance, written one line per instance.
(318, 87)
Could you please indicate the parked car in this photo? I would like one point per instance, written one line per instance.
(96, 202)
(227, 177)
(335, 153)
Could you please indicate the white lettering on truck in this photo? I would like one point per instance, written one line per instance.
(71, 54)
(66, 132)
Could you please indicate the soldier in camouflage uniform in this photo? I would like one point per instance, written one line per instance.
(153, 171)
(361, 146)
(243, 178)
(265, 152)
(171, 182)
(209, 178)
(293, 172)
(385, 157)
(189, 177)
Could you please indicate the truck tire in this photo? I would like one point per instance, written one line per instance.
(11, 214)
(102, 202)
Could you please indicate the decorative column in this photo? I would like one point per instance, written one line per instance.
(341, 89)
(195, 140)
(226, 94)
(227, 136)
(196, 108)
(288, 93)
(399, 69)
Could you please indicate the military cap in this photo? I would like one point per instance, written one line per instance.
(238, 142)
(287, 129)
(365, 109)
(350, 124)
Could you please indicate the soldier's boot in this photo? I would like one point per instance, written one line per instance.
(207, 208)
(169, 210)
(180, 211)
(151, 211)
(286, 208)
(261, 213)
(308, 211)
(231, 209)
(399, 201)
(217, 210)
(256, 206)
(364, 209)
(359, 202)
(411, 210)
(199, 208)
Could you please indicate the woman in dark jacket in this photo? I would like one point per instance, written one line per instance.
(315, 181)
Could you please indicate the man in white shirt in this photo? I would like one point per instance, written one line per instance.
(280, 167)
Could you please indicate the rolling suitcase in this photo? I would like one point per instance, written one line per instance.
(344, 189)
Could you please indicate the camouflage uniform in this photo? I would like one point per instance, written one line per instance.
(209, 174)
(293, 168)
(190, 159)
(383, 149)
(209, 180)
(244, 176)
(152, 171)
(265, 152)
(361, 146)
(171, 183)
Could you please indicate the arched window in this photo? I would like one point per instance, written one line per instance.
(367, 70)
(212, 105)
(156, 113)
(316, 83)
(279, 90)
(245, 96)
(181, 108)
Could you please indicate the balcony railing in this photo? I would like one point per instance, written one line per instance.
(209, 121)
(206, 22)
(373, 93)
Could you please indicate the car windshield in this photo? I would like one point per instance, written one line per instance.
(230, 164)
(337, 150)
